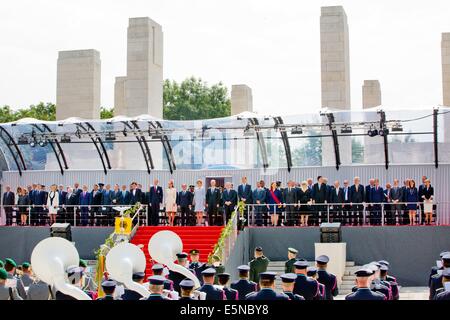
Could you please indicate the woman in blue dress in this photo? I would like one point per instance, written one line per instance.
(199, 201)
(412, 198)
(274, 203)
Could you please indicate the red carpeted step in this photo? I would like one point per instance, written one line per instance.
(201, 238)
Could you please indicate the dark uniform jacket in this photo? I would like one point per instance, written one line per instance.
(306, 287)
(212, 293)
(294, 296)
(330, 283)
(436, 283)
(289, 266)
(130, 295)
(198, 267)
(365, 294)
(266, 294)
(177, 278)
(155, 296)
(244, 287)
(257, 266)
(231, 294)
(107, 297)
(445, 295)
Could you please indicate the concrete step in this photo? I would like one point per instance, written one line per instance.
(346, 286)
(350, 264)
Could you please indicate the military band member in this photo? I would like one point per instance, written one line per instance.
(231, 294)
(327, 279)
(442, 294)
(26, 277)
(128, 294)
(178, 277)
(287, 282)
(304, 286)
(434, 269)
(311, 272)
(377, 284)
(195, 264)
(75, 275)
(187, 287)
(363, 291)
(10, 267)
(39, 290)
(212, 292)
(7, 293)
(156, 286)
(89, 283)
(436, 280)
(243, 285)
(391, 280)
(158, 270)
(292, 257)
(267, 292)
(258, 264)
(108, 286)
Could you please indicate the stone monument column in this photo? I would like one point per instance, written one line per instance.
(445, 50)
(241, 99)
(78, 84)
(335, 76)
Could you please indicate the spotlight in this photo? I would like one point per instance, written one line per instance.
(65, 139)
(384, 132)
(372, 132)
(110, 136)
(32, 143)
(42, 143)
(297, 131)
(346, 129)
(22, 140)
(397, 128)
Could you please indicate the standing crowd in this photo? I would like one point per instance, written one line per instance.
(295, 204)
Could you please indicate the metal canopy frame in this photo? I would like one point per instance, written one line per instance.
(13, 149)
(98, 143)
(143, 144)
(167, 146)
(58, 151)
(261, 143)
(435, 137)
(285, 139)
(334, 135)
(385, 138)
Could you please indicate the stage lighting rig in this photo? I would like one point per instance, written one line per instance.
(346, 129)
(372, 132)
(383, 132)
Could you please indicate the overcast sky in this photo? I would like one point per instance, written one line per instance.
(272, 46)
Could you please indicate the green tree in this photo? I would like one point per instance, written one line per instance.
(41, 111)
(194, 99)
(106, 113)
(310, 154)
(357, 151)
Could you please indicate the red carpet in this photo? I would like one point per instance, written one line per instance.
(201, 238)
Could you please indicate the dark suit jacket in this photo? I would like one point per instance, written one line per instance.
(85, 199)
(115, 197)
(357, 196)
(184, 199)
(9, 198)
(230, 196)
(136, 197)
(291, 197)
(71, 200)
(245, 192)
(376, 195)
(336, 197)
(62, 197)
(155, 195)
(427, 193)
(97, 198)
(319, 195)
(124, 199)
(213, 198)
(396, 194)
(107, 198)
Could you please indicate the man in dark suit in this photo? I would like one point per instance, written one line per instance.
(8, 202)
(96, 202)
(71, 200)
(124, 196)
(135, 194)
(347, 209)
(61, 202)
(229, 200)
(357, 198)
(337, 197)
(376, 196)
(155, 199)
(260, 195)
(396, 196)
(39, 200)
(44, 212)
(420, 194)
(320, 196)
(245, 194)
(115, 195)
(213, 198)
(85, 202)
(290, 202)
(184, 202)
(106, 203)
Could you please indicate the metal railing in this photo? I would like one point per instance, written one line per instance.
(104, 215)
(378, 213)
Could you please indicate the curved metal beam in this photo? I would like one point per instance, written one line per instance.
(97, 141)
(167, 147)
(143, 144)
(261, 143)
(285, 139)
(13, 149)
(385, 138)
(58, 153)
(337, 154)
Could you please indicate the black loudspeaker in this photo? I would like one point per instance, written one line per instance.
(61, 230)
(330, 233)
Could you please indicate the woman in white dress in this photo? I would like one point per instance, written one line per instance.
(199, 201)
(53, 203)
(171, 202)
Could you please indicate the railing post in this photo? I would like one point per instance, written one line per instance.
(75, 216)
(29, 215)
(382, 214)
(364, 215)
(420, 214)
(328, 213)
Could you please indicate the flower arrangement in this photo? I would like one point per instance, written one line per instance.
(219, 246)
